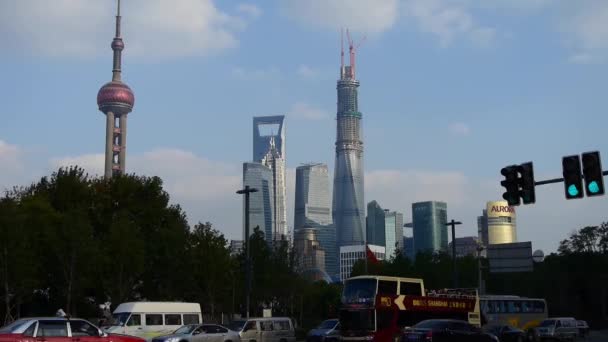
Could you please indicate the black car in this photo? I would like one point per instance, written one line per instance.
(446, 330)
(505, 333)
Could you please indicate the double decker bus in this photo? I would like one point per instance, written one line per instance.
(520, 312)
(378, 308)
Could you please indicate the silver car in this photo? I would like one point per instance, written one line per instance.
(200, 333)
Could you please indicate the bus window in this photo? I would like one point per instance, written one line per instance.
(387, 287)
(539, 306)
(359, 291)
(502, 307)
(513, 306)
(410, 289)
(526, 306)
(485, 307)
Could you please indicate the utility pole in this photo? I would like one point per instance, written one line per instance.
(454, 272)
(247, 191)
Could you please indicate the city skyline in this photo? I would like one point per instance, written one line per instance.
(436, 99)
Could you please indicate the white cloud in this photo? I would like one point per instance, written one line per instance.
(304, 111)
(371, 16)
(151, 28)
(586, 30)
(11, 165)
(254, 74)
(460, 129)
(447, 20)
(249, 9)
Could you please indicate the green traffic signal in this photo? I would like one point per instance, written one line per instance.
(593, 174)
(593, 187)
(573, 177)
(573, 190)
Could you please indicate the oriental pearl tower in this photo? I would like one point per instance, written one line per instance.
(115, 99)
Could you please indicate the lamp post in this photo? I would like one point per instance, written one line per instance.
(454, 272)
(481, 284)
(247, 191)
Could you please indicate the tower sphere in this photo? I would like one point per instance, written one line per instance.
(115, 97)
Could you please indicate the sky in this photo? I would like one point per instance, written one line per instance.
(451, 91)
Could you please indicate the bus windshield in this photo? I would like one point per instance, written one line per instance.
(359, 291)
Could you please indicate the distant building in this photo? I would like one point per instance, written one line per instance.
(311, 256)
(313, 209)
(430, 230)
(465, 246)
(261, 206)
(236, 246)
(497, 224)
(349, 255)
(269, 149)
(393, 232)
(375, 224)
(408, 247)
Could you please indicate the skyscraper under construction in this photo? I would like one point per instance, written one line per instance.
(348, 200)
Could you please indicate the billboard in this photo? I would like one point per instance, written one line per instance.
(500, 209)
(510, 257)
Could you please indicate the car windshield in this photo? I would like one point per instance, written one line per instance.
(14, 326)
(547, 323)
(359, 291)
(329, 324)
(431, 324)
(186, 329)
(119, 319)
(236, 325)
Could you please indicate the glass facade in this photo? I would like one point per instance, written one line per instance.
(312, 209)
(393, 232)
(430, 230)
(375, 224)
(349, 255)
(269, 149)
(261, 213)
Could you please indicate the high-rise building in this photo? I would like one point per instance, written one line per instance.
(261, 208)
(393, 232)
(349, 255)
(466, 245)
(408, 247)
(375, 224)
(236, 247)
(115, 99)
(269, 149)
(312, 209)
(311, 256)
(348, 199)
(430, 230)
(497, 224)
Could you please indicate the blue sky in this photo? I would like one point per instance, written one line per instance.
(451, 91)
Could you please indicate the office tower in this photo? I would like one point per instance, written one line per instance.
(236, 247)
(261, 209)
(115, 99)
(466, 245)
(482, 227)
(430, 230)
(499, 222)
(375, 224)
(269, 149)
(348, 199)
(311, 256)
(312, 209)
(408, 247)
(393, 232)
(349, 255)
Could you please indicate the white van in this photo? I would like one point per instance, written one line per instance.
(269, 329)
(150, 319)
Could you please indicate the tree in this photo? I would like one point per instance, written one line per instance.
(211, 260)
(590, 239)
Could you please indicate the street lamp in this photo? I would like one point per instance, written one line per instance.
(454, 274)
(480, 248)
(247, 191)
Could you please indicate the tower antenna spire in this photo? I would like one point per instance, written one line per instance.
(117, 47)
(341, 49)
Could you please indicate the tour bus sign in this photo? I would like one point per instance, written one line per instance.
(428, 303)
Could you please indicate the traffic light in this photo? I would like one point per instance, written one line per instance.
(527, 193)
(592, 172)
(511, 184)
(573, 179)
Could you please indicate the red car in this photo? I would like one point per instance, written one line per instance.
(58, 329)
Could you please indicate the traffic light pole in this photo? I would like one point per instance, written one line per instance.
(454, 271)
(560, 180)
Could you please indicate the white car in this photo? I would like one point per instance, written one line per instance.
(200, 333)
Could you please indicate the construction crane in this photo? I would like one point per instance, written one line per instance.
(352, 48)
